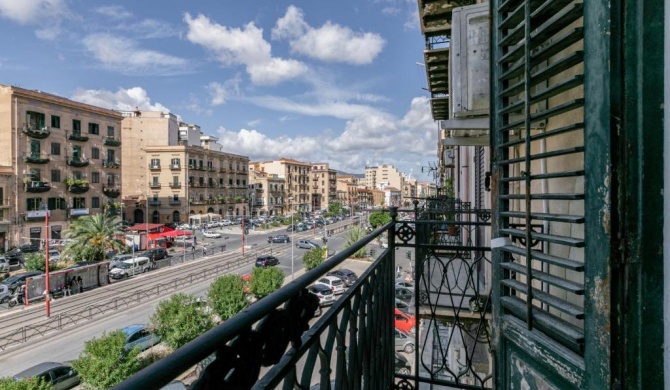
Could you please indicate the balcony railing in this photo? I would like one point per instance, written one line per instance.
(111, 141)
(154, 167)
(154, 202)
(77, 137)
(173, 202)
(155, 184)
(36, 132)
(37, 186)
(352, 344)
(111, 191)
(36, 159)
(111, 164)
(175, 185)
(77, 162)
(175, 166)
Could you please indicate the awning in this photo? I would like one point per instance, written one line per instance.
(176, 233)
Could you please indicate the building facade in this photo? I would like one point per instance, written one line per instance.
(64, 156)
(323, 186)
(383, 175)
(296, 174)
(267, 193)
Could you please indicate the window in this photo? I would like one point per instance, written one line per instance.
(56, 204)
(175, 181)
(110, 131)
(77, 175)
(175, 197)
(55, 149)
(244, 183)
(55, 122)
(93, 128)
(55, 175)
(230, 182)
(111, 156)
(35, 120)
(175, 162)
(35, 148)
(78, 203)
(95, 202)
(154, 181)
(95, 153)
(111, 180)
(95, 177)
(76, 126)
(76, 153)
(33, 204)
(237, 182)
(155, 162)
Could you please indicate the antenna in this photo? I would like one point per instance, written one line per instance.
(433, 169)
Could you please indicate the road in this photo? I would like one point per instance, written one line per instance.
(68, 344)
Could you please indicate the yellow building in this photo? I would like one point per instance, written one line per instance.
(296, 175)
(267, 193)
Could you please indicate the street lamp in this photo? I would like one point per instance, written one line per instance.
(290, 204)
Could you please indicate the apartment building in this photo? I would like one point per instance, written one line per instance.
(6, 215)
(346, 189)
(296, 174)
(64, 156)
(376, 175)
(323, 186)
(267, 193)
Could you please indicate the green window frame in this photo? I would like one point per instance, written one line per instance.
(79, 203)
(35, 119)
(55, 121)
(33, 204)
(93, 128)
(35, 148)
(110, 131)
(76, 126)
(95, 202)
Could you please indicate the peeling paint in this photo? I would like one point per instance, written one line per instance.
(604, 192)
(601, 302)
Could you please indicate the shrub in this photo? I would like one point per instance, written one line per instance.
(180, 319)
(105, 361)
(226, 296)
(265, 281)
(34, 261)
(9, 383)
(354, 235)
(378, 218)
(313, 258)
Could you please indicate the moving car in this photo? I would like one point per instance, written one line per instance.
(138, 335)
(402, 365)
(402, 306)
(131, 267)
(348, 277)
(282, 238)
(332, 282)
(211, 234)
(403, 341)
(405, 322)
(266, 261)
(307, 244)
(13, 282)
(59, 375)
(325, 295)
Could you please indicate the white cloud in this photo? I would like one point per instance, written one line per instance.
(337, 109)
(330, 42)
(124, 56)
(254, 123)
(114, 12)
(242, 46)
(220, 92)
(123, 99)
(48, 14)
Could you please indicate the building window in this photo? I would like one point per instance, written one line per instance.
(78, 203)
(93, 128)
(111, 180)
(175, 181)
(175, 197)
(175, 162)
(154, 181)
(55, 122)
(95, 153)
(56, 204)
(230, 182)
(244, 183)
(35, 120)
(111, 156)
(76, 126)
(33, 204)
(95, 177)
(110, 131)
(77, 175)
(55, 149)
(155, 162)
(55, 175)
(237, 182)
(95, 202)
(35, 148)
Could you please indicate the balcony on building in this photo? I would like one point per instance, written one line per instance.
(154, 202)
(175, 185)
(77, 162)
(76, 136)
(111, 164)
(111, 191)
(175, 166)
(174, 202)
(36, 158)
(154, 184)
(76, 186)
(198, 201)
(37, 186)
(154, 166)
(35, 215)
(112, 141)
(78, 212)
(36, 131)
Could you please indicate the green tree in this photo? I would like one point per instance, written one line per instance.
(226, 296)
(35, 261)
(265, 281)
(180, 319)
(378, 218)
(335, 208)
(34, 383)
(354, 235)
(93, 236)
(313, 258)
(105, 361)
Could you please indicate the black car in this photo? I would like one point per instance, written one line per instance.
(403, 293)
(13, 282)
(266, 261)
(155, 253)
(402, 365)
(282, 238)
(348, 276)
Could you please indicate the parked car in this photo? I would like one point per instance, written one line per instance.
(184, 226)
(402, 365)
(131, 267)
(157, 253)
(4, 264)
(282, 238)
(307, 244)
(14, 256)
(13, 282)
(54, 255)
(212, 225)
(324, 293)
(211, 234)
(402, 306)
(81, 264)
(59, 375)
(266, 261)
(5, 295)
(405, 322)
(28, 248)
(348, 277)
(403, 341)
(118, 259)
(332, 282)
(404, 283)
(139, 336)
(403, 293)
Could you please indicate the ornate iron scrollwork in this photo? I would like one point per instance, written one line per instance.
(405, 233)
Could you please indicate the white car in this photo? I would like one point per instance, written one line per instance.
(184, 226)
(212, 234)
(4, 264)
(54, 255)
(335, 284)
(129, 268)
(213, 225)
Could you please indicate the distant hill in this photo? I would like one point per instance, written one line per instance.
(358, 175)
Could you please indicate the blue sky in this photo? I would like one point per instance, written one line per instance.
(310, 80)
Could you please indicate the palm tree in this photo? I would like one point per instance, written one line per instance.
(354, 235)
(93, 236)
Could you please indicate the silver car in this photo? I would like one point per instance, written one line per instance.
(403, 341)
(60, 376)
(4, 264)
(5, 295)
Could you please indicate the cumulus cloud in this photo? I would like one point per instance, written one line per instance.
(242, 46)
(330, 42)
(123, 99)
(125, 56)
(32, 12)
(220, 92)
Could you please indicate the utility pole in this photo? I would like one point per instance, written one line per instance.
(47, 291)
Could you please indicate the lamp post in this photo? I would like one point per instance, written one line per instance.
(47, 290)
(290, 207)
(243, 217)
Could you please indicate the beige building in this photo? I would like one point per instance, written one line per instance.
(267, 193)
(170, 177)
(64, 155)
(383, 175)
(6, 209)
(346, 189)
(323, 186)
(296, 174)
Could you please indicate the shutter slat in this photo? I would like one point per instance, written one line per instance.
(545, 217)
(556, 239)
(545, 257)
(557, 303)
(566, 285)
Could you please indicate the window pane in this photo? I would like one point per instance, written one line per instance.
(55, 148)
(95, 153)
(110, 131)
(95, 202)
(95, 177)
(55, 175)
(93, 128)
(55, 122)
(76, 125)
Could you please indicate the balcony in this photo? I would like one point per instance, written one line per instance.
(174, 202)
(154, 184)
(111, 141)
(198, 201)
(36, 159)
(154, 202)
(175, 185)
(111, 191)
(111, 164)
(154, 167)
(77, 162)
(175, 166)
(37, 186)
(35, 214)
(223, 170)
(36, 132)
(77, 186)
(359, 327)
(78, 212)
(76, 136)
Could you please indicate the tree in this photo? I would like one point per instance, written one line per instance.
(180, 319)
(378, 218)
(313, 258)
(265, 281)
(335, 208)
(354, 235)
(105, 361)
(34, 383)
(92, 236)
(226, 296)
(35, 261)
